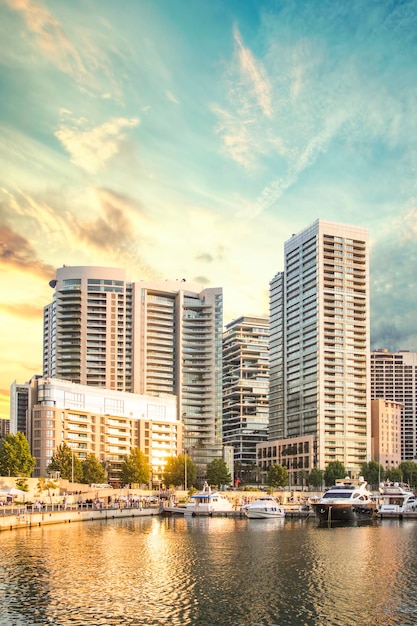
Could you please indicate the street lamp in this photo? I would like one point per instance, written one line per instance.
(72, 465)
(185, 470)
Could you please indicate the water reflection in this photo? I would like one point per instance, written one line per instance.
(209, 571)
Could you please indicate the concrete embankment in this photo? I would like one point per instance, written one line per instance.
(26, 519)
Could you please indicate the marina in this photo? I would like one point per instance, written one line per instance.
(207, 571)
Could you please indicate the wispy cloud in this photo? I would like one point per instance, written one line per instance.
(393, 293)
(17, 252)
(250, 101)
(49, 37)
(170, 96)
(91, 147)
(253, 75)
(26, 310)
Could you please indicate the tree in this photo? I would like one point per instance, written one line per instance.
(373, 473)
(174, 473)
(93, 471)
(66, 462)
(217, 473)
(22, 484)
(46, 484)
(315, 478)
(277, 476)
(409, 472)
(334, 471)
(394, 475)
(135, 468)
(15, 456)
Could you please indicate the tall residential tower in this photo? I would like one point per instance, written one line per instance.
(245, 389)
(144, 337)
(319, 350)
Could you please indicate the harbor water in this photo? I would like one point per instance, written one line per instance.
(210, 571)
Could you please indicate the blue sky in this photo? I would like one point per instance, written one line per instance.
(191, 139)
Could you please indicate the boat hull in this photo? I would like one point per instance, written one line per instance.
(344, 511)
(259, 514)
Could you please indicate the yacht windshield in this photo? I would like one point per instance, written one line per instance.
(339, 494)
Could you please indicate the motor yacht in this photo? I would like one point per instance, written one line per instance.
(265, 507)
(396, 498)
(348, 500)
(206, 502)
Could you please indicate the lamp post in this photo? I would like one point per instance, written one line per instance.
(72, 465)
(185, 470)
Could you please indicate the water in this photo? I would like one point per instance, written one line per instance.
(208, 572)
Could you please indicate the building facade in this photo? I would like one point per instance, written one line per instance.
(4, 428)
(386, 432)
(319, 345)
(19, 403)
(394, 377)
(245, 389)
(106, 423)
(144, 337)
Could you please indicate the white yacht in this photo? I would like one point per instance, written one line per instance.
(206, 502)
(265, 507)
(396, 499)
(348, 500)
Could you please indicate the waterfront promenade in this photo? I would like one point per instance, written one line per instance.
(15, 517)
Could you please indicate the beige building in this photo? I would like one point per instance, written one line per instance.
(394, 377)
(297, 454)
(386, 432)
(103, 422)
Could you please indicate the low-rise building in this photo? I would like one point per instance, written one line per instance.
(386, 432)
(103, 422)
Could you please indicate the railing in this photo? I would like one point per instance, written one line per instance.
(76, 506)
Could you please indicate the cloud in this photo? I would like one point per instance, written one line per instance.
(249, 95)
(24, 310)
(253, 75)
(112, 229)
(17, 252)
(205, 258)
(49, 36)
(171, 97)
(393, 261)
(92, 148)
(202, 280)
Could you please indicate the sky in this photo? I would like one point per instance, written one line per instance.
(191, 139)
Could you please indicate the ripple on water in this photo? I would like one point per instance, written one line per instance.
(208, 572)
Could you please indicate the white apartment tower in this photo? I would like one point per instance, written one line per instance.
(144, 337)
(88, 328)
(394, 377)
(319, 345)
(178, 349)
(245, 388)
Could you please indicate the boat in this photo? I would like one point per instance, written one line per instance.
(396, 499)
(348, 500)
(207, 502)
(265, 507)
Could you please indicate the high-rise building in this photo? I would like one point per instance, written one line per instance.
(245, 389)
(19, 402)
(178, 349)
(88, 328)
(4, 427)
(394, 377)
(144, 337)
(319, 346)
